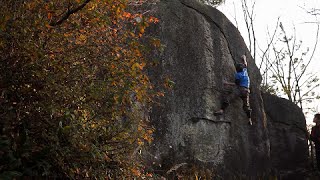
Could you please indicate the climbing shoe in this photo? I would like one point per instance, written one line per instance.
(218, 113)
(250, 122)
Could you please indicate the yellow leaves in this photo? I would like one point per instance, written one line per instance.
(85, 114)
(155, 42)
(138, 66)
(122, 5)
(66, 129)
(149, 131)
(140, 142)
(48, 26)
(118, 11)
(148, 138)
(141, 32)
(92, 6)
(81, 39)
(132, 34)
(146, 134)
(3, 21)
(31, 5)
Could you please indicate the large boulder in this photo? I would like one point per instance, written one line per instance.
(201, 49)
(287, 134)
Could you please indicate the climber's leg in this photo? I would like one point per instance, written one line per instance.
(229, 94)
(244, 94)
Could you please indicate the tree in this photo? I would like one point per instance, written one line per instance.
(73, 89)
(248, 15)
(287, 69)
(283, 64)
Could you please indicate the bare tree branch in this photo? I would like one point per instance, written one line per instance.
(314, 49)
(269, 44)
(68, 13)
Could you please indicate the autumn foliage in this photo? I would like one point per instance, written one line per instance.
(73, 88)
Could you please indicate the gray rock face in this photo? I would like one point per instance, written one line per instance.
(287, 133)
(201, 49)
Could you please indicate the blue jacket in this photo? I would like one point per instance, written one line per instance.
(242, 78)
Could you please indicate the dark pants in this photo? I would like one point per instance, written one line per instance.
(231, 93)
(317, 148)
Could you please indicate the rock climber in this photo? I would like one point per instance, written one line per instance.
(238, 89)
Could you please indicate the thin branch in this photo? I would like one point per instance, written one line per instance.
(314, 49)
(271, 41)
(245, 14)
(68, 13)
(311, 89)
(235, 15)
(307, 80)
(253, 32)
(313, 12)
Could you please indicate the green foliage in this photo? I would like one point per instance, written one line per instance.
(74, 93)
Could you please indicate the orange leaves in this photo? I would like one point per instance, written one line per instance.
(153, 20)
(160, 94)
(49, 15)
(145, 134)
(136, 172)
(127, 15)
(67, 34)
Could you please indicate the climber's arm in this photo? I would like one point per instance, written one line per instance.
(229, 83)
(244, 59)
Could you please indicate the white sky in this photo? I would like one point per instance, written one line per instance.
(292, 13)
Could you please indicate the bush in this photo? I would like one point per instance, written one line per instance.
(74, 93)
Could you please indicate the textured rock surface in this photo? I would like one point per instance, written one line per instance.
(201, 48)
(287, 133)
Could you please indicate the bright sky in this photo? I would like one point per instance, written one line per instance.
(292, 13)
